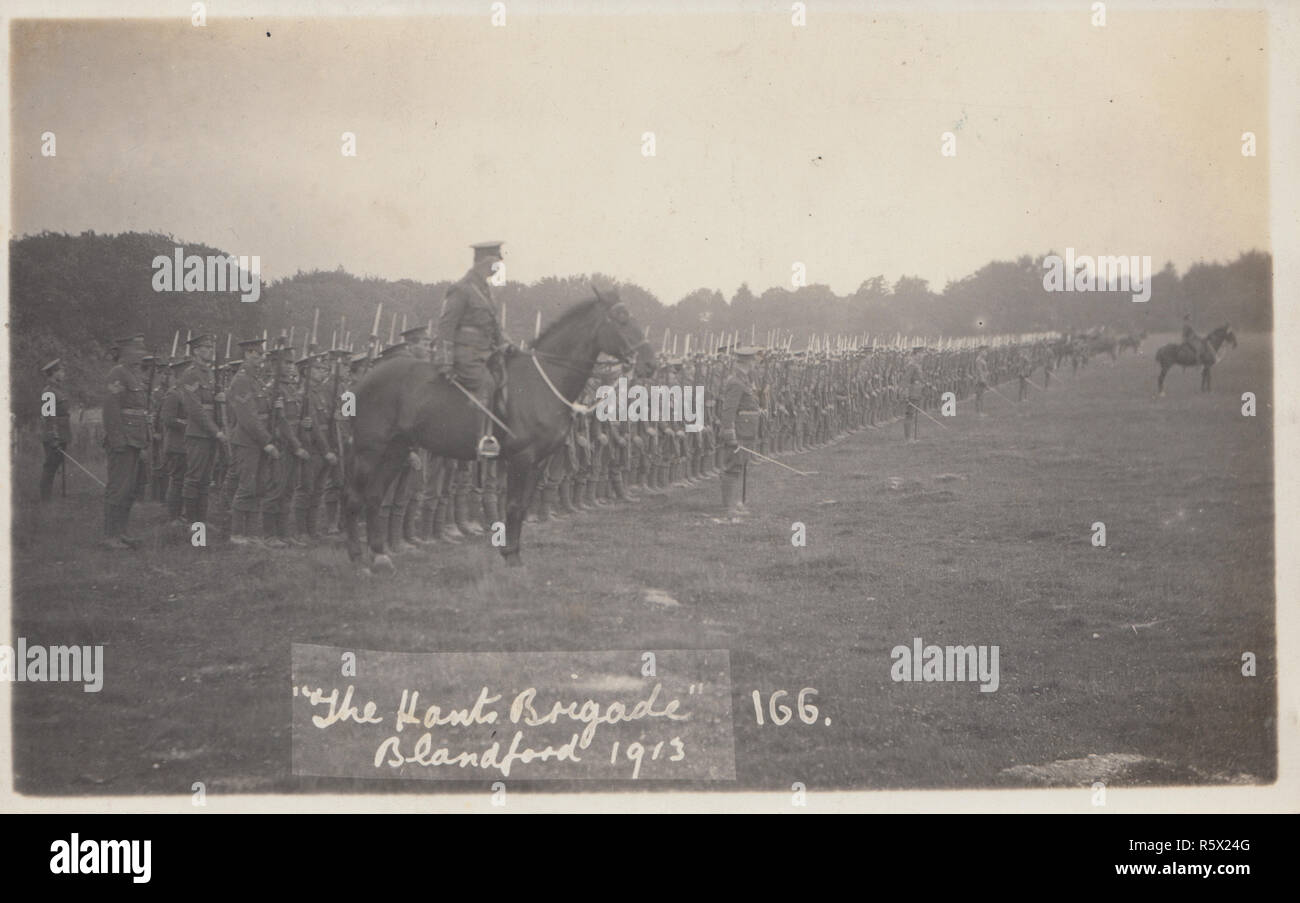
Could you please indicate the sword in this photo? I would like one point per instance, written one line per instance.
(86, 472)
(478, 404)
(927, 415)
(802, 473)
(999, 394)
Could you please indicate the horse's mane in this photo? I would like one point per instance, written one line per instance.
(576, 312)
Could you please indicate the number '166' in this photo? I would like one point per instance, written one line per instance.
(780, 713)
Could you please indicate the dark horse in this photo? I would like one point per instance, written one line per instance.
(403, 404)
(1178, 353)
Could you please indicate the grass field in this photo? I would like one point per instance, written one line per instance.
(981, 534)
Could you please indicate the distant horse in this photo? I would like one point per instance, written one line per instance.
(405, 403)
(1178, 353)
(1132, 340)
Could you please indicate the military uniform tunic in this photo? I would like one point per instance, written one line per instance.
(470, 330)
(126, 434)
(739, 421)
(198, 393)
(250, 405)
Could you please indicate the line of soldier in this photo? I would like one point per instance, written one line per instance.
(269, 435)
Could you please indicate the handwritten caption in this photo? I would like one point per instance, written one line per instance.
(519, 715)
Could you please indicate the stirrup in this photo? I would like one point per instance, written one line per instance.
(488, 447)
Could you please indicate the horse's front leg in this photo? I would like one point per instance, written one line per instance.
(519, 494)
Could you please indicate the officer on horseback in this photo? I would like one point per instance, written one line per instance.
(469, 331)
(1200, 348)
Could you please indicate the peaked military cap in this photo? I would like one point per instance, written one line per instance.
(252, 343)
(203, 338)
(746, 352)
(487, 250)
(414, 335)
(180, 362)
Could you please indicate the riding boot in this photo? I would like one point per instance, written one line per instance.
(301, 531)
(489, 509)
(730, 494)
(600, 496)
(460, 513)
(331, 517)
(311, 524)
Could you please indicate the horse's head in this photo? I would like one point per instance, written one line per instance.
(620, 336)
(1221, 335)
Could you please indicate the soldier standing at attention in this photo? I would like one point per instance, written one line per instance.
(126, 432)
(1024, 367)
(287, 405)
(314, 436)
(198, 395)
(254, 453)
(739, 424)
(914, 383)
(171, 415)
(56, 427)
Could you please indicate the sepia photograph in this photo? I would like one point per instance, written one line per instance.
(747, 406)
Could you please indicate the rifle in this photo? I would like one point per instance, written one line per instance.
(148, 418)
(374, 332)
(218, 407)
(277, 390)
(336, 429)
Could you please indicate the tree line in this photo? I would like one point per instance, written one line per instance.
(71, 296)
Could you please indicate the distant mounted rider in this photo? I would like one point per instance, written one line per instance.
(1198, 345)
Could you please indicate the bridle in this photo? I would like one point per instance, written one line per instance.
(627, 355)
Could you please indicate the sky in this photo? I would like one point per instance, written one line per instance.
(774, 144)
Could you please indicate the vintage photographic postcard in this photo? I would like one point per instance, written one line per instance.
(694, 407)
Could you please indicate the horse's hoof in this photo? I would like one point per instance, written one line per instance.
(382, 563)
(365, 572)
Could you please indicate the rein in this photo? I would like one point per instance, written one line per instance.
(568, 362)
(572, 406)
